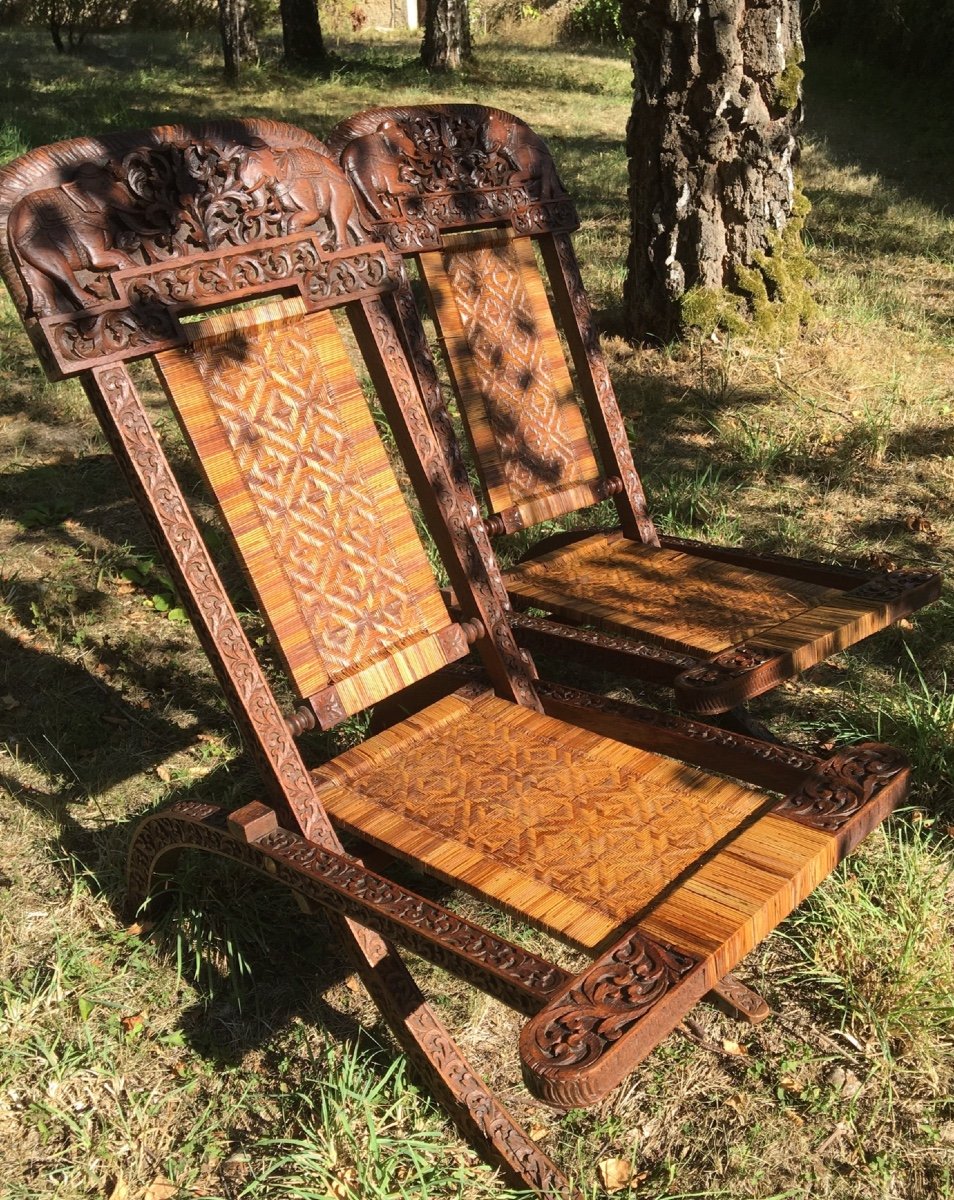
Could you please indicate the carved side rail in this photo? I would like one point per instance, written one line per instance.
(342, 884)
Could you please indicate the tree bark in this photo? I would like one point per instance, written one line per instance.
(446, 43)
(712, 147)
(301, 32)
(237, 31)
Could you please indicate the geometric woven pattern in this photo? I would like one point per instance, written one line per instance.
(295, 461)
(567, 829)
(518, 400)
(680, 600)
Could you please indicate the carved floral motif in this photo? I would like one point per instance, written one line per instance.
(420, 171)
(611, 1000)
(892, 585)
(843, 785)
(730, 664)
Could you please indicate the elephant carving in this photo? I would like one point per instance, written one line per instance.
(86, 224)
(525, 153)
(372, 163)
(307, 186)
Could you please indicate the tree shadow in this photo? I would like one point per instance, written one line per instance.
(884, 123)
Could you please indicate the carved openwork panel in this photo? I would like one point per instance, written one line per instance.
(421, 171)
(103, 241)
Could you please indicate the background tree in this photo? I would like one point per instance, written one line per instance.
(239, 42)
(301, 32)
(446, 43)
(712, 148)
(69, 21)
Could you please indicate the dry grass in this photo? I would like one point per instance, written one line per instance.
(231, 1053)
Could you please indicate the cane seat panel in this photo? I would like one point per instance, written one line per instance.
(494, 322)
(275, 413)
(684, 601)
(560, 826)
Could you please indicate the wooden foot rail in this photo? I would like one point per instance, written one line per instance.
(334, 882)
(341, 884)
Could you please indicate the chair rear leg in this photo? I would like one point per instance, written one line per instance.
(732, 997)
(423, 1037)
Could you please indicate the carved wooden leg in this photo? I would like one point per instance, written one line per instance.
(736, 1000)
(740, 720)
(445, 1071)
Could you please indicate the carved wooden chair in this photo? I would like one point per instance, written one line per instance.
(600, 822)
(472, 195)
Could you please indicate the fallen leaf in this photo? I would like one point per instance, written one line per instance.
(538, 1131)
(133, 1022)
(164, 773)
(160, 1189)
(615, 1173)
(794, 1117)
(353, 984)
(138, 928)
(789, 1084)
(919, 524)
(731, 1047)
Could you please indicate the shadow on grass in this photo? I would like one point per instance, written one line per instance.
(897, 127)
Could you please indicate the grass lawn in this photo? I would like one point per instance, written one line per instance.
(228, 1052)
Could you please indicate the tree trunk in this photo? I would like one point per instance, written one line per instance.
(229, 21)
(301, 32)
(712, 148)
(237, 29)
(446, 41)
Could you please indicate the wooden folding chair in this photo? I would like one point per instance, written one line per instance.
(627, 846)
(472, 195)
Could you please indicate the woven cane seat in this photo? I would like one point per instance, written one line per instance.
(680, 600)
(558, 825)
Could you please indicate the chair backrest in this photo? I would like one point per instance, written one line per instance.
(107, 245)
(468, 191)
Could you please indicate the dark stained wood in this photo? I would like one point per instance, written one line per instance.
(736, 1000)
(467, 192)
(628, 844)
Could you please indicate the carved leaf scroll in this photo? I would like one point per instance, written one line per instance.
(829, 798)
(420, 171)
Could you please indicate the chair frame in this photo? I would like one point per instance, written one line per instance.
(491, 170)
(585, 1031)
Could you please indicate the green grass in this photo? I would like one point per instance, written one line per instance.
(228, 1049)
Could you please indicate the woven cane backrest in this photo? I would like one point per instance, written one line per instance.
(504, 354)
(270, 402)
(467, 191)
(105, 245)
